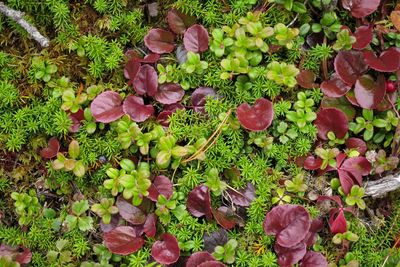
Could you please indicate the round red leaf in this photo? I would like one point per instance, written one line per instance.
(179, 22)
(106, 107)
(363, 36)
(129, 212)
(368, 92)
(358, 144)
(131, 69)
(199, 97)
(123, 240)
(289, 256)
(199, 202)
(161, 185)
(289, 223)
(136, 109)
(334, 87)
(312, 163)
(166, 251)
(146, 81)
(169, 93)
(313, 259)
(350, 65)
(386, 104)
(360, 8)
(306, 79)
(341, 103)
(51, 150)
(257, 117)
(160, 41)
(225, 217)
(149, 226)
(196, 39)
(388, 61)
(331, 120)
(199, 257)
(242, 197)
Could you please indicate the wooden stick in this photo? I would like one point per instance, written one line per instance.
(381, 187)
(18, 17)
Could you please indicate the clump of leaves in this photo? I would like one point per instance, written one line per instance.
(72, 163)
(105, 209)
(282, 73)
(78, 218)
(226, 253)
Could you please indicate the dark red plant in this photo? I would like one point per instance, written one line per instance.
(363, 36)
(313, 259)
(203, 259)
(136, 109)
(242, 197)
(337, 220)
(169, 93)
(149, 226)
(160, 41)
(199, 97)
(334, 87)
(351, 170)
(225, 217)
(53, 146)
(179, 22)
(350, 65)
(214, 239)
(107, 107)
(356, 143)
(129, 212)
(388, 61)
(131, 69)
(390, 87)
(331, 120)
(196, 39)
(76, 119)
(146, 81)
(341, 103)
(165, 114)
(360, 8)
(289, 223)
(123, 240)
(20, 254)
(161, 185)
(306, 79)
(289, 256)
(199, 202)
(257, 117)
(368, 92)
(166, 251)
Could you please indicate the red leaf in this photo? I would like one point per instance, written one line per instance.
(169, 93)
(166, 251)
(334, 87)
(76, 119)
(146, 81)
(129, 212)
(350, 65)
(149, 226)
(368, 92)
(388, 61)
(357, 144)
(357, 165)
(363, 36)
(289, 256)
(21, 254)
(289, 223)
(214, 239)
(131, 69)
(53, 146)
(360, 8)
(199, 97)
(161, 185)
(179, 22)
(160, 41)
(136, 109)
(385, 104)
(338, 224)
(341, 103)
(312, 163)
(331, 120)
(163, 116)
(199, 257)
(313, 259)
(306, 79)
(123, 240)
(196, 39)
(258, 117)
(225, 217)
(107, 107)
(243, 197)
(199, 202)
(311, 237)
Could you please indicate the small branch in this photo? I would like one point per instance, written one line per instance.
(381, 187)
(18, 17)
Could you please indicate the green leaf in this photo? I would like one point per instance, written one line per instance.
(85, 223)
(80, 207)
(73, 149)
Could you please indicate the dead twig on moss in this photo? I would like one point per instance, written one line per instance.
(18, 17)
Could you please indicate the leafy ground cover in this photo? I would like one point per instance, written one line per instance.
(199, 133)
